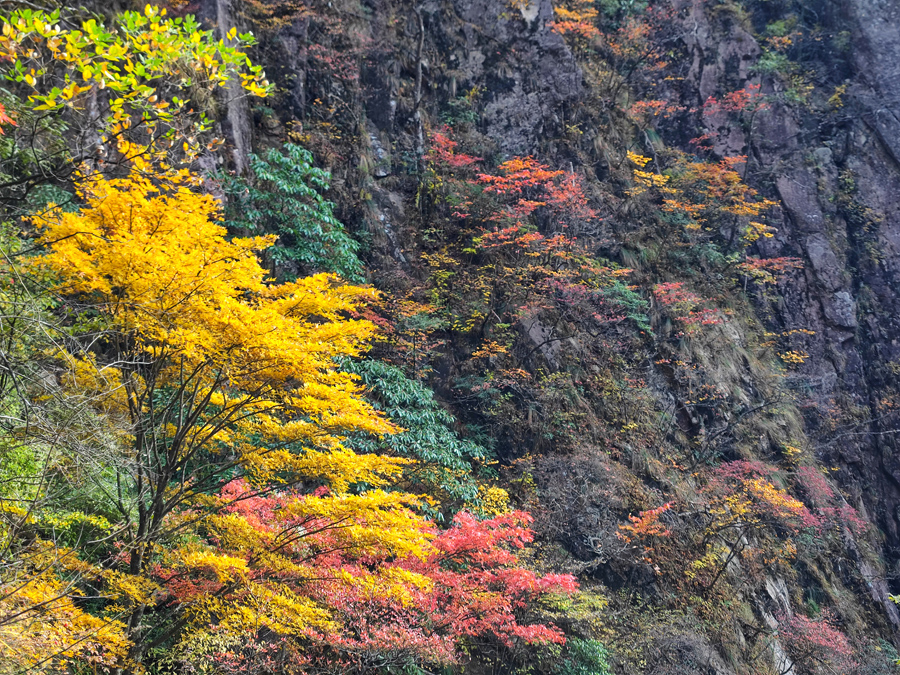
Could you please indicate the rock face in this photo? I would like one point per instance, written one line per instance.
(833, 168)
(837, 176)
(527, 95)
(872, 153)
(527, 78)
(874, 25)
(840, 186)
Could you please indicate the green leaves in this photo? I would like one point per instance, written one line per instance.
(138, 61)
(285, 198)
(584, 657)
(428, 434)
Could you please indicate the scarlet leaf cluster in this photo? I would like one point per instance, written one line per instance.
(349, 580)
(442, 149)
(817, 644)
(748, 98)
(686, 306)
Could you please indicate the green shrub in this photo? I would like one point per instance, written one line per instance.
(584, 657)
(428, 436)
(284, 197)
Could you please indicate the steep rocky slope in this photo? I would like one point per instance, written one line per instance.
(625, 417)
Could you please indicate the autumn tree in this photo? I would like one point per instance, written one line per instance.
(703, 197)
(234, 508)
(348, 585)
(204, 369)
(99, 96)
(750, 518)
(521, 224)
(90, 96)
(817, 645)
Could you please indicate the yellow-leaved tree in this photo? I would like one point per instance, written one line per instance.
(95, 95)
(206, 372)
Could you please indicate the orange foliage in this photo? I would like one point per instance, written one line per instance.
(576, 20)
(747, 99)
(767, 270)
(696, 192)
(646, 524)
(5, 118)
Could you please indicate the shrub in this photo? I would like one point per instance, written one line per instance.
(284, 197)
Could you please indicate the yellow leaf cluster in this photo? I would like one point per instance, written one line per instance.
(128, 589)
(163, 273)
(389, 582)
(261, 606)
(373, 522)
(133, 61)
(492, 501)
(645, 180)
(794, 356)
(225, 567)
(781, 502)
(640, 160)
(43, 626)
(103, 385)
(339, 466)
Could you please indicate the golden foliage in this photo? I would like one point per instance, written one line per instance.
(41, 623)
(210, 369)
(162, 272)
